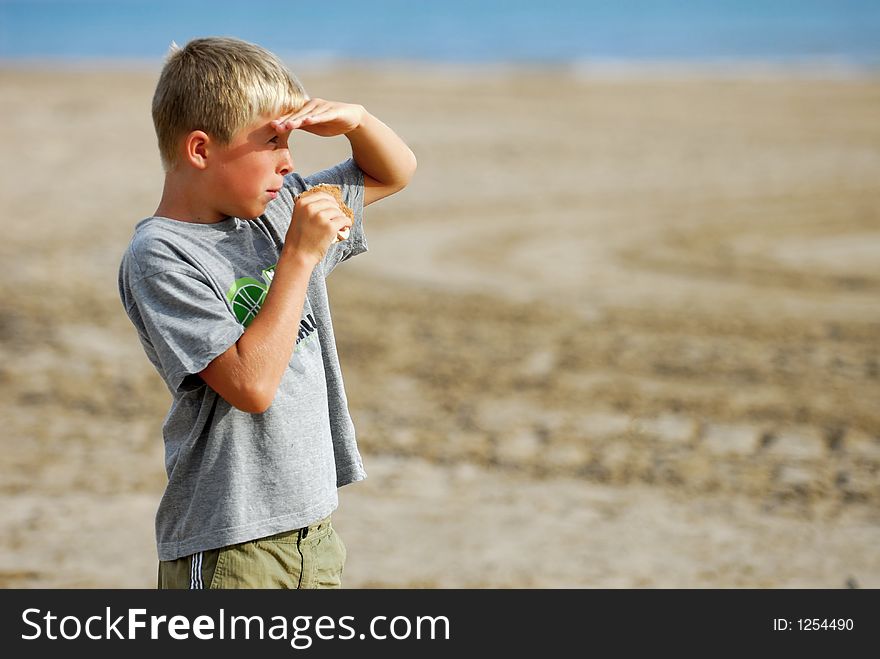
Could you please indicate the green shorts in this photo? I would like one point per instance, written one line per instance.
(310, 557)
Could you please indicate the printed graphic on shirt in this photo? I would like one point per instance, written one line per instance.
(246, 295)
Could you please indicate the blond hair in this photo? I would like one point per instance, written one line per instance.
(219, 85)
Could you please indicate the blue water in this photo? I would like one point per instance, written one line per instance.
(540, 31)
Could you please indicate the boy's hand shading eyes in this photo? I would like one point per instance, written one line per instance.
(324, 118)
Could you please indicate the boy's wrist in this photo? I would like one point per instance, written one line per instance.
(363, 120)
(299, 258)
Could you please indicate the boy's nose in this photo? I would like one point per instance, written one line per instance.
(286, 164)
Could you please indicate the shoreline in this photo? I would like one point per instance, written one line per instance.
(586, 69)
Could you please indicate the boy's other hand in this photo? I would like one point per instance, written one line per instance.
(324, 118)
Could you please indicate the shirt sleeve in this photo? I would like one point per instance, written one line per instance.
(186, 323)
(350, 178)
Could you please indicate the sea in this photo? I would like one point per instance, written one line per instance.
(843, 33)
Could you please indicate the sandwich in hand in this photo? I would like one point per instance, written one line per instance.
(335, 192)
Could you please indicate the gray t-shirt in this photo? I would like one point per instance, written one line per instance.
(190, 290)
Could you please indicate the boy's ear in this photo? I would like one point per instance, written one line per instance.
(195, 149)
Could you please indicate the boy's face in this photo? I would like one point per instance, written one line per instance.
(247, 173)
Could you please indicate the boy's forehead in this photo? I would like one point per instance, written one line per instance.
(265, 120)
(260, 125)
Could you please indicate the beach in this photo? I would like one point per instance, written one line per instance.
(620, 331)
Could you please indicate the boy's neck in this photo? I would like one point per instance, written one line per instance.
(181, 201)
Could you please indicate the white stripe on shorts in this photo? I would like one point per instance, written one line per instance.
(195, 573)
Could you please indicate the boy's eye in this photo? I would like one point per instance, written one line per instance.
(274, 140)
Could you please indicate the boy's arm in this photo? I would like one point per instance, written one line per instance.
(247, 375)
(387, 162)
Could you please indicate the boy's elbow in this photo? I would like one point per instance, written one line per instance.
(253, 399)
(237, 385)
(404, 169)
(405, 173)
(253, 406)
(410, 168)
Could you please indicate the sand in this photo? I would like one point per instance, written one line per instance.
(619, 331)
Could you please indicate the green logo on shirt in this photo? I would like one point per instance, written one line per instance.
(246, 295)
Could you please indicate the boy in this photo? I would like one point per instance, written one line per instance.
(225, 285)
